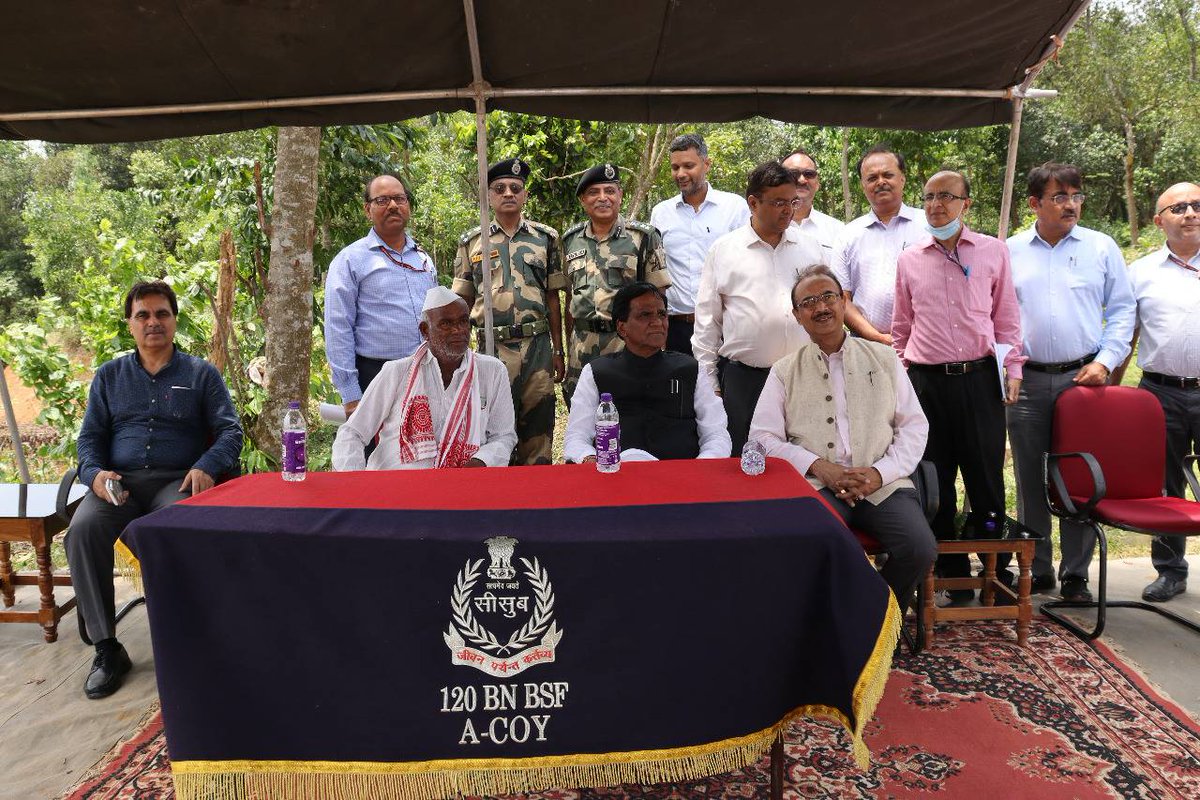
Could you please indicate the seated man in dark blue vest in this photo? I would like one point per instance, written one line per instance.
(668, 407)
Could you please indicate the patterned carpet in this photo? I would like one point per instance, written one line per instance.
(974, 717)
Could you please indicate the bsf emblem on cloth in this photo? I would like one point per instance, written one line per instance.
(506, 596)
(609, 172)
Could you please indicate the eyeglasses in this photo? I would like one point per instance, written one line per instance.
(384, 200)
(507, 188)
(827, 298)
(941, 197)
(779, 205)
(807, 174)
(1062, 198)
(1179, 209)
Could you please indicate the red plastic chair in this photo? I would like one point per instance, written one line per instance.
(1106, 467)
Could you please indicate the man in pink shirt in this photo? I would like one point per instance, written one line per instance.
(954, 303)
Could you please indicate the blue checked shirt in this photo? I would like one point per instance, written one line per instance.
(373, 306)
(179, 418)
(1075, 297)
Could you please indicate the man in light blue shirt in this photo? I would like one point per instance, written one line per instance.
(1077, 319)
(374, 292)
(689, 223)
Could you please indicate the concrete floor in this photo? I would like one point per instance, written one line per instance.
(50, 734)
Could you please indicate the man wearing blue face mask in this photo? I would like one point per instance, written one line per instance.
(954, 304)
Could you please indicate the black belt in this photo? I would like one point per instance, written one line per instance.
(683, 317)
(954, 367)
(595, 325)
(1059, 369)
(730, 362)
(1171, 380)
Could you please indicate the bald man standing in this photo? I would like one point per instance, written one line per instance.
(1166, 285)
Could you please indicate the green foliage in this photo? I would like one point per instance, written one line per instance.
(45, 368)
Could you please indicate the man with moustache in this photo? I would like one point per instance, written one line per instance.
(603, 254)
(866, 259)
(668, 407)
(373, 292)
(954, 303)
(744, 321)
(841, 410)
(1077, 317)
(526, 276)
(689, 223)
(1166, 285)
(443, 407)
(822, 227)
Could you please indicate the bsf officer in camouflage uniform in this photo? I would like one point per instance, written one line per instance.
(526, 264)
(603, 254)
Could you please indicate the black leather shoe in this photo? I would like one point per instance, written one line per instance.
(109, 668)
(1075, 590)
(1164, 589)
(960, 597)
(1041, 583)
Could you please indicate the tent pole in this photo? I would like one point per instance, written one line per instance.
(1010, 167)
(13, 433)
(480, 90)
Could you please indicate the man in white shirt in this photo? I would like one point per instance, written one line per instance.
(689, 223)
(442, 407)
(744, 321)
(866, 259)
(667, 406)
(842, 411)
(1166, 285)
(822, 227)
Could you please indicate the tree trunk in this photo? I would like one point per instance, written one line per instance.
(289, 290)
(223, 302)
(1130, 200)
(656, 141)
(847, 198)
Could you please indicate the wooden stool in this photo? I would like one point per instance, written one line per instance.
(987, 549)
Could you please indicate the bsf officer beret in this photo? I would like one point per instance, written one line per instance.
(510, 168)
(601, 173)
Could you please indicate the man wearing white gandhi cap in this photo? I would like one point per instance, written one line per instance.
(443, 406)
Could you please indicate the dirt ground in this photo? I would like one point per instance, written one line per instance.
(25, 403)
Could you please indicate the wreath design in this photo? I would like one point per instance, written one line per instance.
(535, 626)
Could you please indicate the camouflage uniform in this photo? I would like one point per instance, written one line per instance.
(523, 268)
(595, 271)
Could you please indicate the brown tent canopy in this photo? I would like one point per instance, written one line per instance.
(96, 72)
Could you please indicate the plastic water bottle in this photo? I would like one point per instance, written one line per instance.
(608, 435)
(754, 458)
(295, 435)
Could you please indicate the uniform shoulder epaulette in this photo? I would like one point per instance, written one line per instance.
(543, 227)
(574, 229)
(468, 236)
(637, 225)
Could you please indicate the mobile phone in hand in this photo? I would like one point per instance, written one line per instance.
(116, 492)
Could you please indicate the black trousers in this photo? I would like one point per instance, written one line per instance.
(368, 370)
(740, 387)
(679, 335)
(966, 432)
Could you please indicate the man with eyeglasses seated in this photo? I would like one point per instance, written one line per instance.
(668, 407)
(1077, 317)
(602, 254)
(744, 320)
(443, 407)
(954, 305)
(373, 292)
(1166, 285)
(822, 227)
(842, 411)
(525, 262)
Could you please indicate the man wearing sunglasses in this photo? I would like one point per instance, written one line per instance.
(525, 260)
(1166, 284)
(1077, 317)
(374, 292)
(822, 227)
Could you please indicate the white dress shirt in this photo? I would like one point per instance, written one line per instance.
(744, 308)
(1168, 312)
(866, 260)
(687, 233)
(380, 411)
(769, 425)
(711, 422)
(825, 229)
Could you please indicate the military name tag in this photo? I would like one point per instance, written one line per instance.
(475, 259)
(575, 254)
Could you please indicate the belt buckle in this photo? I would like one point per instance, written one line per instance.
(956, 368)
(1189, 383)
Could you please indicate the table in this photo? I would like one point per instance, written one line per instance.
(27, 514)
(421, 634)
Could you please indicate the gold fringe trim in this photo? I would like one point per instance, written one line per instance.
(129, 566)
(868, 691)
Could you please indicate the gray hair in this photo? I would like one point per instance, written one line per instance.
(690, 141)
(814, 271)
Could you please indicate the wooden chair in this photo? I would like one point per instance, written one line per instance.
(1106, 467)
